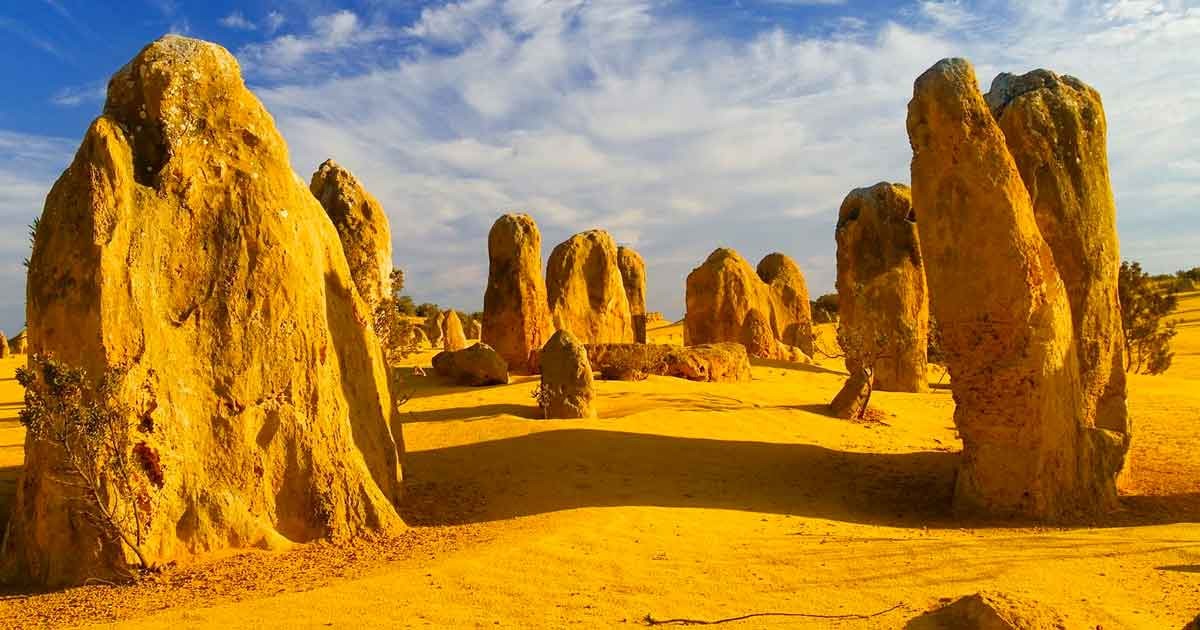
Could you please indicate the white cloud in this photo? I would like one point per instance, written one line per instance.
(330, 33)
(237, 21)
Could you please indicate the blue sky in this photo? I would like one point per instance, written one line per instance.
(680, 126)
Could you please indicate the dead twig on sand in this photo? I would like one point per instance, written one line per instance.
(651, 621)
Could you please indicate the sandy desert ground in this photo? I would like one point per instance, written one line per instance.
(690, 500)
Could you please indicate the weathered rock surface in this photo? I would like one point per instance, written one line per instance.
(882, 298)
(516, 318)
(4, 349)
(475, 366)
(453, 337)
(181, 244)
(362, 227)
(585, 289)
(758, 337)
(567, 390)
(792, 321)
(990, 611)
(720, 293)
(473, 329)
(1056, 131)
(851, 401)
(716, 363)
(1004, 314)
(633, 276)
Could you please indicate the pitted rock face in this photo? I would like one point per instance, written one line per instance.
(792, 320)
(567, 388)
(720, 294)
(362, 227)
(1056, 132)
(516, 318)
(758, 337)
(585, 289)
(633, 276)
(476, 366)
(1004, 313)
(883, 302)
(180, 244)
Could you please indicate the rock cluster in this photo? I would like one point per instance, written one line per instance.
(362, 227)
(586, 291)
(1005, 314)
(566, 390)
(724, 291)
(882, 298)
(714, 363)
(203, 265)
(633, 276)
(516, 320)
(476, 366)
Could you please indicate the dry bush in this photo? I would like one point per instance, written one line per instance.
(1145, 303)
(93, 430)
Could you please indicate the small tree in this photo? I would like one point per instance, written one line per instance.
(397, 335)
(1144, 305)
(428, 308)
(93, 430)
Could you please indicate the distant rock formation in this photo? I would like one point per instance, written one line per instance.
(362, 227)
(792, 321)
(567, 390)
(435, 328)
(713, 363)
(202, 264)
(516, 319)
(720, 293)
(4, 349)
(882, 296)
(18, 345)
(472, 328)
(1056, 131)
(476, 366)
(633, 276)
(1004, 314)
(585, 290)
(453, 337)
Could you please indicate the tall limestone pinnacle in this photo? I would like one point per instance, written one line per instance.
(1005, 315)
(1057, 134)
(362, 227)
(180, 245)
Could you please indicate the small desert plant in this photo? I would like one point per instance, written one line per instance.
(1144, 305)
(397, 335)
(93, 431)
(544, 395)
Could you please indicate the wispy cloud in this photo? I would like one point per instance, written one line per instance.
(273, 22)
(237, 21)
(73, 96)
(29, 36)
